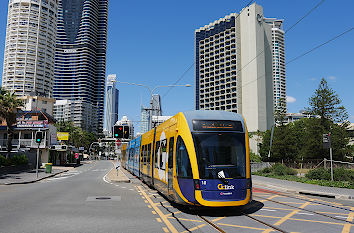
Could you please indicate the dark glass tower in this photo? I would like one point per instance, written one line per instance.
(80, 58)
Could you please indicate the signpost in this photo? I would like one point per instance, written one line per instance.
(327, 144)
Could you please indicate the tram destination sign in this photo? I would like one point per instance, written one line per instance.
(214, 125)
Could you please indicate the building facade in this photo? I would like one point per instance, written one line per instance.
(144, 120)
(278, 52)
(80, 57)
(234, 67)
(111, 103)
(30, 47)
(38, 103)
(77, 111)
(156, 105)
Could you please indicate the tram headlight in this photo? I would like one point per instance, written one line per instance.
(196, 185)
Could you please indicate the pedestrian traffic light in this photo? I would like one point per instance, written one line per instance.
(39, 136)
(118, 131)
(126, 133)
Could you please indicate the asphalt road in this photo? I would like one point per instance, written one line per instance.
(69, 203)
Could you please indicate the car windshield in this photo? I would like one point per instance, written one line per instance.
(220, 155)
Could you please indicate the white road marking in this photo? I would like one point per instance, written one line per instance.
(268, 210)
(305, 213)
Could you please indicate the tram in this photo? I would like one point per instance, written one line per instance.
(195, 158)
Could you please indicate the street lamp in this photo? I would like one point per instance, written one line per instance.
(151, 95)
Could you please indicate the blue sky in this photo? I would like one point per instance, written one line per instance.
(152, 43)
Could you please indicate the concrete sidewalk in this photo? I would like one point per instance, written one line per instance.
(302, 188)
(29, 176)
(117, 175)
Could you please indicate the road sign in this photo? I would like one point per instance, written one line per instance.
(118, 142)
(76, 155)
(326, 140)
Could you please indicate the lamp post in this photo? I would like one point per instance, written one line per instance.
(151, 91)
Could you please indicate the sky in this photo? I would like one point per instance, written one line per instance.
(152, 43)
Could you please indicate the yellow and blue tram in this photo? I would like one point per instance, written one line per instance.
(195, 158)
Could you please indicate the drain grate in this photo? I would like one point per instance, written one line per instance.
(103, 198)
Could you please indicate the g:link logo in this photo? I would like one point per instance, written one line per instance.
(225, 187)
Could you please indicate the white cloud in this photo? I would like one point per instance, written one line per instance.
(313, 79)
(290, 99)
(332, 78)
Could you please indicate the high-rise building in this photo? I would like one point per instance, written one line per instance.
(30, 47)
(279, 78)
(156, 105)
(111, 103)
(77, 111)
(80, 57)
(144, 120)
(234, 67)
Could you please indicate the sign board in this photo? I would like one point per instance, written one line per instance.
(326, 139)
(63, 136)
(82, 148)
(76, 155)
(32, 124)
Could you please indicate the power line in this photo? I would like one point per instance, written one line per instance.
(190, 67)
(309, 51)
(318, 46)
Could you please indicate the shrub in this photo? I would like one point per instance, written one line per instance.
(341, 174)
(254, 157)
(19, 160)
(3, 161)
(319, 174)
(282, 170)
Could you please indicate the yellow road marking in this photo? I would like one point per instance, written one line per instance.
(218, 219)
(269, 198)
(153, 212)
(158, 211)
(186, 219)
(165, 229)
(291, 214)
(268, 230)
(319, 212)
(158, 219)
(231, 225)
(302, 220)
(177, 212)
(195, 228)
(346, 228)
(149, 206)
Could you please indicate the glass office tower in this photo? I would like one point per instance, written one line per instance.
(80, 58)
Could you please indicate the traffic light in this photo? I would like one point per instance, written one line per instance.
(118, 131)
(39, 136)
(126, 133)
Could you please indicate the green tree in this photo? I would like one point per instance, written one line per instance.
(280, 112)
(327, 104)
(9, 105)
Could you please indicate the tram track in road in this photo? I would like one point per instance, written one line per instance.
(307, 210)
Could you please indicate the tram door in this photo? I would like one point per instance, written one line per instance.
(170, 166)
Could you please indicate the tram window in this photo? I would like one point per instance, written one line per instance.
(183, 165)
(157, 146)
(148, 153)
(142, 155)
(170, 152)
(163, 154)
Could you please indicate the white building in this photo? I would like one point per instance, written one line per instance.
(144, 120)
(111, 104)
(77, 111)
(41, 103)
(279, 77)
(234, 67)
(30, 47)
(158, 120)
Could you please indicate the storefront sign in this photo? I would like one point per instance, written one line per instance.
(63, 136)
(32, 124)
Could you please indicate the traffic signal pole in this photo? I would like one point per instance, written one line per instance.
(37, 160)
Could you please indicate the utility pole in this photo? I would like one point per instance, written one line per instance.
(326, 139)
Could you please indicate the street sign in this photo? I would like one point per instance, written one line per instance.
(82, 148)
(76, 155)
(326, 139)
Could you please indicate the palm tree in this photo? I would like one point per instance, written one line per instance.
(9, 105)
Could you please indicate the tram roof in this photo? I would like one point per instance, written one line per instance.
(212, 115)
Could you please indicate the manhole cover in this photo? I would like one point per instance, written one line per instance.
(103, 198)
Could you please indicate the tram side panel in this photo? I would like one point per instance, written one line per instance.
(146, 154)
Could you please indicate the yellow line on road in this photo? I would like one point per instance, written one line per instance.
(268, 230)
(158, 211)
(291, 214)
(186, 219)
(269, 198)
(194, 228)
(158, 219)
(245, 227)
(165, 229)
(346, 228)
